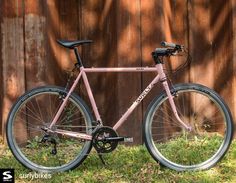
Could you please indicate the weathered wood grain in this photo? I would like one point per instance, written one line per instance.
(124, 34)
(202, 66)
(12, 55)
(34, 43)
(129, 54)
(1, 74)
(100, 25)
(233, 96)
(151, 37)
(222, 48)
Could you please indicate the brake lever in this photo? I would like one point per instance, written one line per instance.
(177, 51)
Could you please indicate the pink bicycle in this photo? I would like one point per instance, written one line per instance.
(186, 127)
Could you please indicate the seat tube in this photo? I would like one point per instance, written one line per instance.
(163, 79)
(79, 61)
(91, 97)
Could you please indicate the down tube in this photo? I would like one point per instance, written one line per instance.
(136, 103)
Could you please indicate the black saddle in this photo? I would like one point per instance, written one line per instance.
(72, 44)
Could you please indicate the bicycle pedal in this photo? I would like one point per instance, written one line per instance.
(128, 139)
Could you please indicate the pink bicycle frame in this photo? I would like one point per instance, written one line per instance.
(160, 77)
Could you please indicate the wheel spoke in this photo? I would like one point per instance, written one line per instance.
(51, 152)
(178, 148)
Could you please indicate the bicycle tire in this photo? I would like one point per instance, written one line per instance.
(195, 150)
(38, 158)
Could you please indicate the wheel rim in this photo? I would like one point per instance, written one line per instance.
(37, 111)
(188, 150)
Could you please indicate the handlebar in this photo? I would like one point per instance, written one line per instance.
(172, 49)
(171, 45)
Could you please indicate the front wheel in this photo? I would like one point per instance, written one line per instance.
(177, 148)
(48, 152)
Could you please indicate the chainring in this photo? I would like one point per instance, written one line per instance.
(99, 139)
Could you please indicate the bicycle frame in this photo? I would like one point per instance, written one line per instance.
(159, 77)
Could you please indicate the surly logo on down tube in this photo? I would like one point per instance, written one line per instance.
(145, 92)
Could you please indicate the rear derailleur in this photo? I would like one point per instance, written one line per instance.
(49, 139)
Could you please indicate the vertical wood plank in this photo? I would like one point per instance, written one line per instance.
(68, 30)
(210, 30)
(151, 36)
(201, 43)
(233, 109)
(54, 62)
(99, 24)
(34, 42)
(129, 55)
(221, 28)
(175, 29)
(12, 54)
(1, 73)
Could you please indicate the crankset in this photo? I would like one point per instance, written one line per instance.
(102, 139)
(105, 139)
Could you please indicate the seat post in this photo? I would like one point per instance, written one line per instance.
(78, 57)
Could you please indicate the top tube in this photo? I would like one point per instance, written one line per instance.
(121, 69)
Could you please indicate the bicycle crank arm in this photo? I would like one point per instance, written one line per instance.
(119, 139)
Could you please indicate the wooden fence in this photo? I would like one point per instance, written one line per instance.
(124, 34)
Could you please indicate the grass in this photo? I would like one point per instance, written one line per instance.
(128, 164)
(184, 151)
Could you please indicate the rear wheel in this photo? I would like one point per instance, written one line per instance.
(35, 148)
(172, 145)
